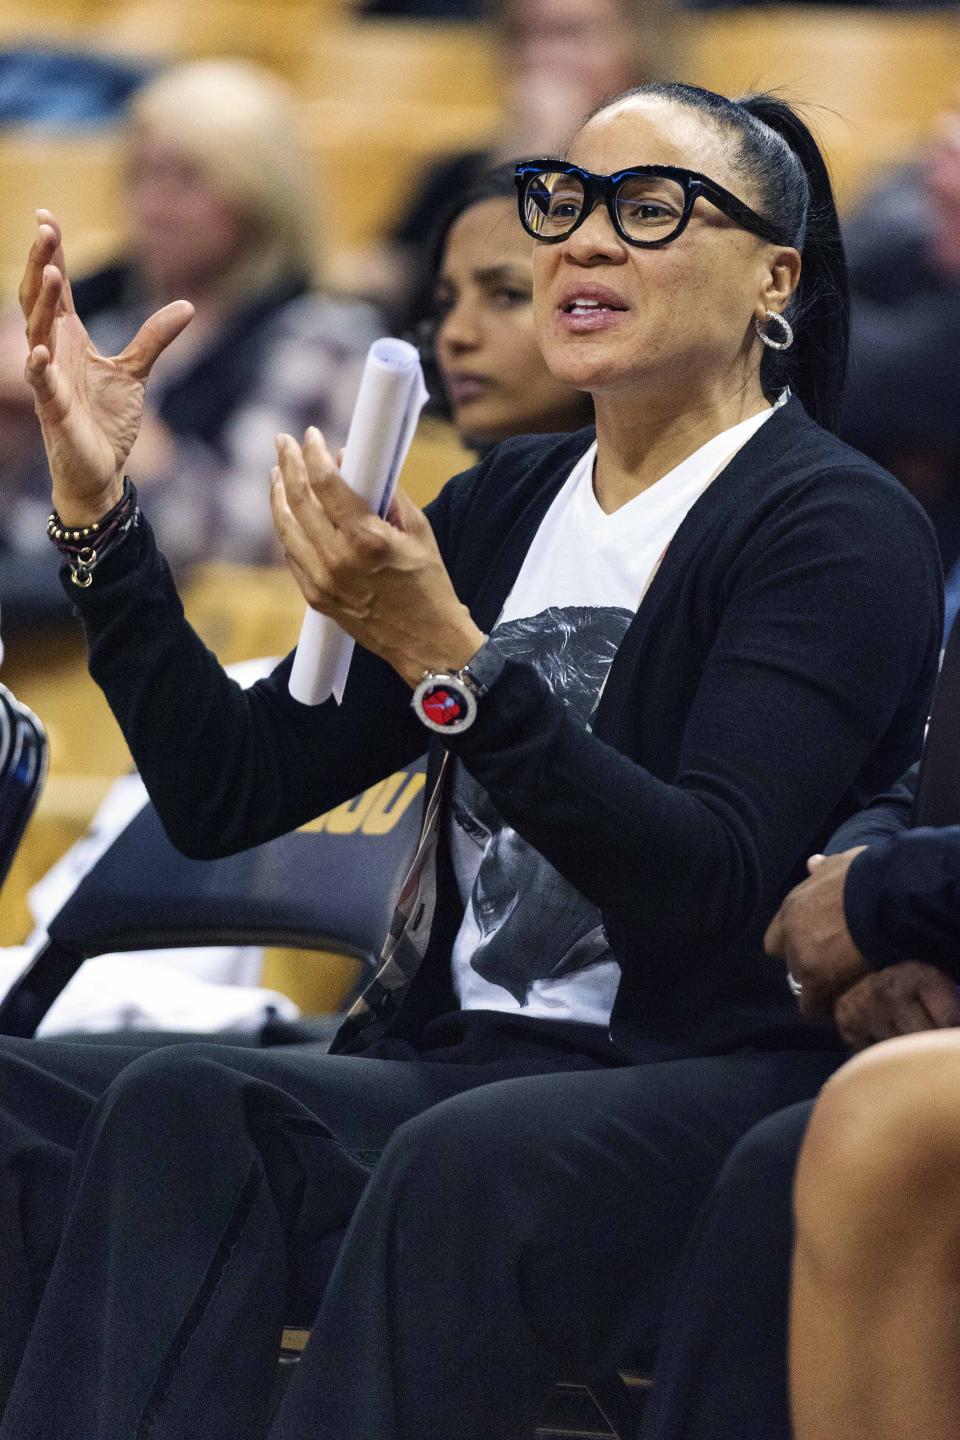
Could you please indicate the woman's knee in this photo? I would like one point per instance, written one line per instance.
(449, 1145)
(883, 1148)
(170, 1086)
(470, 1153)
(760, 1168)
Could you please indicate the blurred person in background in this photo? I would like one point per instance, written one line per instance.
(599, 47)
(218, 208)
(902, 404)
(492, 375)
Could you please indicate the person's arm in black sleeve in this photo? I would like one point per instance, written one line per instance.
(226, 767)
(885, 816)
(799, 687)
(902, 899)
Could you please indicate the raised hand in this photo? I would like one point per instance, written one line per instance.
(89, 405)
(382, 581)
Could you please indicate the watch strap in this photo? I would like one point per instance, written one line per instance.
(485, 666)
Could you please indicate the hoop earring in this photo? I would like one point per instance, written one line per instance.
(786, 332)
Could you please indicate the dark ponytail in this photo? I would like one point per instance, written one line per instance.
(776, 152)
(815, 366)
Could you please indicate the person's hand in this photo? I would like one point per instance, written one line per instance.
(89, 405)
(809, 933)
(382, 581)
(900, 1000)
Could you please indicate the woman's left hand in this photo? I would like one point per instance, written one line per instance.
(809, 933)
(382, 581)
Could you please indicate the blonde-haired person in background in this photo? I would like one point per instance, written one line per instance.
(218, 208)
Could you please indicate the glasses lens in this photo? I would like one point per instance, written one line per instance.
(649, 207)
(552, 203)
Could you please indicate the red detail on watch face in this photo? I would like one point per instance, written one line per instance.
(442, 707)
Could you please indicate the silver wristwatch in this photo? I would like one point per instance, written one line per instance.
(446, 700)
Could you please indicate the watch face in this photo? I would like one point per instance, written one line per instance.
(444, 703)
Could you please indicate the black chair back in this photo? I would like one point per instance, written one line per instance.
(331, 886)
(23, 769)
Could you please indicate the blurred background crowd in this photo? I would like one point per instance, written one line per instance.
(314, 173)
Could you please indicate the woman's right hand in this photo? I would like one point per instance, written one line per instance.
(89, 405)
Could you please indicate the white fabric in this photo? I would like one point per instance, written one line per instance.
(202, 989)
(148, 991)
(582, 563)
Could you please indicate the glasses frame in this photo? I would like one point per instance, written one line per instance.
(606, 187)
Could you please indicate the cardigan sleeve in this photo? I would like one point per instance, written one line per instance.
(810, 665)
(226, 767)
(902, 899)
(886, 815)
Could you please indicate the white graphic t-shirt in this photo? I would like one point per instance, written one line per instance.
(529, 941)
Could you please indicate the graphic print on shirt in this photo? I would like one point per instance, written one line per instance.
(530, 923)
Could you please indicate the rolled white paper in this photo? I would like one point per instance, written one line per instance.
(391, 395)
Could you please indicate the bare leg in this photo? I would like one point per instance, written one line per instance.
(875, 1313)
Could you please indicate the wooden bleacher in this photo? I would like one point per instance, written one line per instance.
(378, 63)
(280, 34)
(78, 177)
(382, 98)
(871, 82)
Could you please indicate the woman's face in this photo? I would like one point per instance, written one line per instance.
(494, 375)
(670, 319)
(186, 234)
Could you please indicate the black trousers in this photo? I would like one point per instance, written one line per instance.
(722, 1367)
(163, 1215)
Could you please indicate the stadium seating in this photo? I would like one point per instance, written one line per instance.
(871, 81)
(77, 175)
(381, 98)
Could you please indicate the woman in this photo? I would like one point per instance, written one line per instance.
(218, 207)
(526, 1164)
(493, 375)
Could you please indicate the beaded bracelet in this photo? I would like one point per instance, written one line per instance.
(84, 547)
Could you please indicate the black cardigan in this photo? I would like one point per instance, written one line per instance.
(776, 675)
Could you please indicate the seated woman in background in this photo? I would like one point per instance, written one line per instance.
(218, 205)
(653, 680)
(493, 374)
